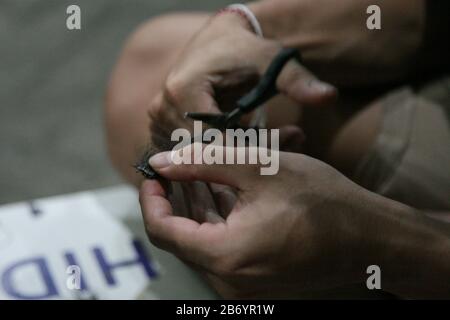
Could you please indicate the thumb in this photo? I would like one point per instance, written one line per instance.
(190, 164)
(298, 83)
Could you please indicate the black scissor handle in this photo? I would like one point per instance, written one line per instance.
(267, 87)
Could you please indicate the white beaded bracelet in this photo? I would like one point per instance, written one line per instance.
(250, 16)
(247, 14)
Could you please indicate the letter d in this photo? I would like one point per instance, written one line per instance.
(42, 268)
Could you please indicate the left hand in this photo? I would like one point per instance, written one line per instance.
(286, 234)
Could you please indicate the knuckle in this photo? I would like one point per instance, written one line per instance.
(174, 89)
(156, 241)
(150, 232)
(153, 235)
(157, 109)
(291, 75)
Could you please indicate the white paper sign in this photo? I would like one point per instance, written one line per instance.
(41, 239)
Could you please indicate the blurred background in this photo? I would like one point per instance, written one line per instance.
(52, 84)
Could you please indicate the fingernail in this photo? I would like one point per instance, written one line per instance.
(160, 160)
(320, 86)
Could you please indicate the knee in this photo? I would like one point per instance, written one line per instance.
(139, 73)
(138, 70)
(142, 54)
(143, 63)
(146, 58)
(151, 40)
(162, 36)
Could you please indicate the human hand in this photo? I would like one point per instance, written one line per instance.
(285, 234)
(222, 62)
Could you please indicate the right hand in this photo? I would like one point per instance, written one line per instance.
(220, 64)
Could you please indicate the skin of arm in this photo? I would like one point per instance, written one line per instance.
(413, 249)
(335, 42)
(332, 230)
(406, 237)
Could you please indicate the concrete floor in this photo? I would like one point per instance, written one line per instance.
(52, 83)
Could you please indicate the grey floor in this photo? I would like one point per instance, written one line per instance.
(52, 83)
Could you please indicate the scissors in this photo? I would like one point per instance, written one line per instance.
(263, 92)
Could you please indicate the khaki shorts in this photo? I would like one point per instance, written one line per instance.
(410, 160)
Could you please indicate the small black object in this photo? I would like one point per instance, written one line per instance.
(147, 171)
(145, 168)
(263, 92)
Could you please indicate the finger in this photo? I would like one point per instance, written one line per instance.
(164, 115)
(163, 119)
(225, 198)
(177, 200)
(184, 237)
(153, 188)
(178, 165)
(302, 86)
(152, 197)
(201, 204)
(292, 139)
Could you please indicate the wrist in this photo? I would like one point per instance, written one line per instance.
(233, 17)
(417, 263)
(411, 249)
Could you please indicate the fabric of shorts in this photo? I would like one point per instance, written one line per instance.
(410, 159)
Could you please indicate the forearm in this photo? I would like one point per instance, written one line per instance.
(411, 249)
(334, 39)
